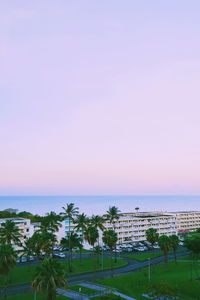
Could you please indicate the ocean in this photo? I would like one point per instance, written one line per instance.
(100, 204)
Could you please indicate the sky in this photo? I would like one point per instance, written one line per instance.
(99, 97)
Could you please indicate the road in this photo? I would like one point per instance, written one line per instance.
(132, 266)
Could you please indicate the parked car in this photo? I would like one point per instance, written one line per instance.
(105, 248)
(23, 259)
(60, 255)
(156, 247)
(141, 249)
(56, 248)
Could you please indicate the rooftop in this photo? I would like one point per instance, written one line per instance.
(152, 216)
(13, 219)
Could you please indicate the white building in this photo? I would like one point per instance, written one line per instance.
(132, 227)
(23, 225)
(34, 227)
(187, 221)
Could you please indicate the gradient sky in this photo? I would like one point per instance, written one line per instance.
(99, 97)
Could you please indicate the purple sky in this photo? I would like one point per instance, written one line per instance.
(99, 97)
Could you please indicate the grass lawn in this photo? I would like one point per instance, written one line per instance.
(31, 297)
(178, 276)
(83, 251)
(25, 274)
(145, 256)
(84, 290)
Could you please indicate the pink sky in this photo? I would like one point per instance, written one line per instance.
(99, 97)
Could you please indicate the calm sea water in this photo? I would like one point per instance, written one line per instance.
(99, 204)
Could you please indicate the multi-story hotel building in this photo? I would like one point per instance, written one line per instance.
(24, 228)
(187, 221)
(132, 227)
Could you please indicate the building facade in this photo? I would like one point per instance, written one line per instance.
(132, 227)
(187, 221)
(24, 228)
(69, 226)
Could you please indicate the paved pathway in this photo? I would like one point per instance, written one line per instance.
(105, 289)
(123, 296)
(72, 294)
(93, 286)
(101, 290)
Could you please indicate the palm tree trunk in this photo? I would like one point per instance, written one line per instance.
(98, 258)
(164, 260)
(175, 259)
(111, 262)
(51, 295)
(115, 245)
(80, 255)
(69, 252)
(94, 260)
(5, 288)
(165, 257)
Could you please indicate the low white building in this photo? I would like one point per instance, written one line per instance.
(24, 228)
(34, 227)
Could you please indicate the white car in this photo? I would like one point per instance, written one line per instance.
(61, 255)
(156, 247)
(129, 249)
(23, 259)
(140, 249)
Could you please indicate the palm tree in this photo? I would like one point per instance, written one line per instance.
(91, 235)
(36, 244)
(75, 242)
(110, 239)
(113, 214)
(51, 222)
(7, 261)
(137, 209)
(98, 222)
(41, 243)
(48, 277)
(164, 244)
(152, 236)
(81, 222)
(70, 212)
(48, 240)
(10, 233)
(27, 249)
(174, 242)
